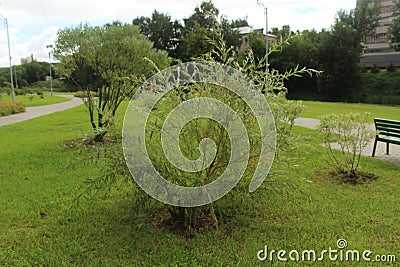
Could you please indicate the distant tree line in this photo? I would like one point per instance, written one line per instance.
(191, 39)
(25, 75)
(335, 51)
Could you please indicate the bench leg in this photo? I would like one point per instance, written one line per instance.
(373, 151)
(387, 148)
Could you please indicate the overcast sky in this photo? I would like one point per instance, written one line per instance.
(33, 24)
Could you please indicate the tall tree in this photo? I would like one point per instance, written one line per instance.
(162, 31)
(394, 29)
(203, 15)
(195, 43)
(340, 52)
(201, 27)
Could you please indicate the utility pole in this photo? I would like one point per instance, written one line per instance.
(9, 56)
(266, 36)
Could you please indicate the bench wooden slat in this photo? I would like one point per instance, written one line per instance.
(391, 139)
(390, 124)
(388, 130)
(396, 135)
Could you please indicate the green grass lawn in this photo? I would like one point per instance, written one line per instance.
(41, 225)
(36, 100)
(314, 109)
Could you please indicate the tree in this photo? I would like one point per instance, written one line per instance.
(109, 60)
(161, 30)
(256, 42)
(34, 72)
(300, 50)
(195, 43)
(203, 15)
(341, 49)
(339, 60)
(200, 28)
(284, 33)
(394, 29)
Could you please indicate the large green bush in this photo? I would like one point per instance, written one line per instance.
(270, 84)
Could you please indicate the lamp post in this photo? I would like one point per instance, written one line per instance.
(51, 78)
(266, 37)
(9, 56)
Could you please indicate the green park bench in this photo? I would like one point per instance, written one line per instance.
(388, 131)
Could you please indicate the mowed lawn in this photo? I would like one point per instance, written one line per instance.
(314, 109)
(299, 207)
(34, 99)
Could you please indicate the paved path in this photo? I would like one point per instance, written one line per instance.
(393, 157)
(34, 112)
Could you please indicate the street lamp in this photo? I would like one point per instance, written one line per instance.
(9, 56)
(51, 78)
(266, 33)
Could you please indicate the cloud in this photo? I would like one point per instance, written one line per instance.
(36, 45)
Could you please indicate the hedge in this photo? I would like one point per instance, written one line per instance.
(8, 108)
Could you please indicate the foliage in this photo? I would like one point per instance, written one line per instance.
(336, 52)
(42, 226)
(391, 68)
(14, 107)
(350, 133)
(394, 28)
(21, 91)
(83, 94)
(162, 31)
(184, 42)
(203, 26)
(341, 50)
(382, 87)
(93, 57)
(26, 74)
(108, 60)
(105, 103)
(195, 43)
(284, 112)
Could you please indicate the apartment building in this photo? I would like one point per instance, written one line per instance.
(378, 50)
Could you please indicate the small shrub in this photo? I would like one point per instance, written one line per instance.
(8, 108)
(375, 69)
(391, 68)
(20, 92)
(285, 112)
(349, 133)
(83, 94)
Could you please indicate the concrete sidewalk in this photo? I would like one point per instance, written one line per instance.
(394, 155)
(34, 112)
